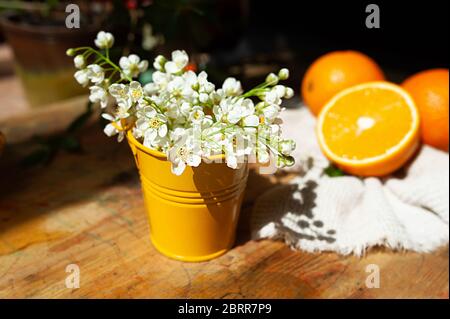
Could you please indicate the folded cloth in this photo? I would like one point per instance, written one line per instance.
(408, 210)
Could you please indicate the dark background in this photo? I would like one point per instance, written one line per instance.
(413, 34)
(293, 33)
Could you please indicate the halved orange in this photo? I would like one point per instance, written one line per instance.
(370, 129)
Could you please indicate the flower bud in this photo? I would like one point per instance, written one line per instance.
(283, 74)
(159, 62)
(272, 79)
(289, 93)
(70, 52)
(260, 105)
(203, 97)
(285, 161)
(286, 147)
(79, 61)
(195, 86)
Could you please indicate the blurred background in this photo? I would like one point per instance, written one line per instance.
(241, 38)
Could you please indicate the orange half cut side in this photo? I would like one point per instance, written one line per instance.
(370, 129)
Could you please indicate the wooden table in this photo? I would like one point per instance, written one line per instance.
(88, 210)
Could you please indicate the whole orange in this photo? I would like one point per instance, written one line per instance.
(335, 71)
(429, 90)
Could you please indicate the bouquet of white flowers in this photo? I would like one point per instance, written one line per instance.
(181, 113)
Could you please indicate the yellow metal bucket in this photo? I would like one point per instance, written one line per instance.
(193, 216)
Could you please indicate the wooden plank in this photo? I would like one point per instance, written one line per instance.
(87, 209)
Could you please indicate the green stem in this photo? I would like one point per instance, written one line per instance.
(259, 88)
(154, 105)
(112, 75)
(106, 59)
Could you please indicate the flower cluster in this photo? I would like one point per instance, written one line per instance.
(181, 113)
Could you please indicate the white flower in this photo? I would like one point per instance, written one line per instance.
(204, 85)
(79, 61)
(82, 77)
(271, 108)
(231, 159)
(232, 87)
(191, 80)
(176, 114)
(110, 130)
(178, 133)
(280, 90)
(184, 152)
(132, 65)
(104, 40)
(207, 121)
(182, 114)
(159, 62)
(232, 110)
(262, 153)
(176, 86)
(196, 115)
(203, 97)
(135, 91)
(122, 111)
(272, 97)
(151, 88)
(151, 125)
(251, 120)
(191, 86)
(179, 61)
(120, 92)
(213, 138)
(114, 127)
(157, 128)
(236, 147)
(96, 73)
(271, 112)
(98, 94)
(161, 79)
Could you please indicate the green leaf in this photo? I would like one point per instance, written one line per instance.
(333, 171)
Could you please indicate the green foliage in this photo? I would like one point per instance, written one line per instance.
(333, 171)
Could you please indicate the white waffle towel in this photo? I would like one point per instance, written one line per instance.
(408, 210)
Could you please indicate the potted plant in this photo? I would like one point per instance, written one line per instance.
(39, 37)
(191, 142)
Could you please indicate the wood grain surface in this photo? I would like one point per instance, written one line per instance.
(87, 209)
